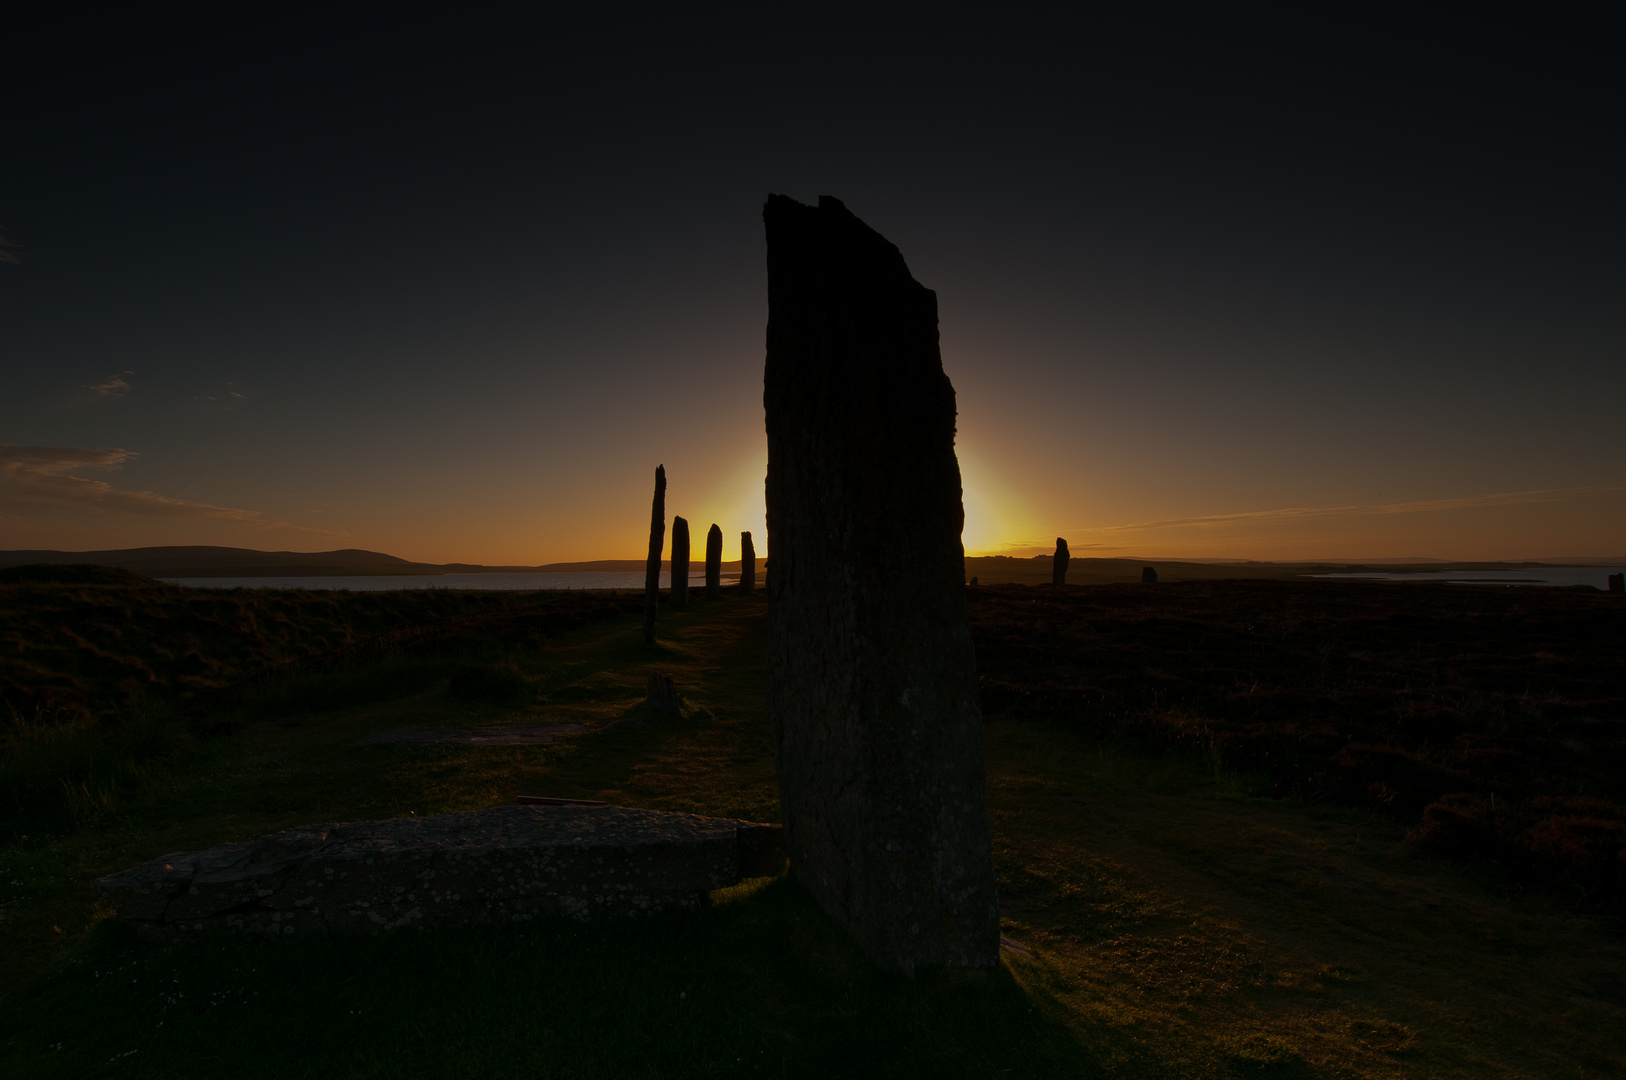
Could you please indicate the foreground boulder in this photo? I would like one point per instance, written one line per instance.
(506, 864)
(872, 681)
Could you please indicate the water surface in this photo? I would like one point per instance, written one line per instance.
(387, 582)
(1597, 576)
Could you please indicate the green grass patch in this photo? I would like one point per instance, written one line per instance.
(1183, 919)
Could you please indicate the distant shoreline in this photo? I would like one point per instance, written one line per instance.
(224, 562)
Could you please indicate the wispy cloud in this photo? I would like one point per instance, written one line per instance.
(41, 478)
(113, 386)
(1209, 521)
(225, 399)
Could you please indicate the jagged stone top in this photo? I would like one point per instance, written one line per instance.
(470, 832)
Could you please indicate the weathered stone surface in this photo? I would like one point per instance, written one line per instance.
(1058, 567)
(680, 562)
(748, 564)
(872, 680)
(663, 694)
(506, 864)
(652, 566)
(1148, 576)
(714, 561)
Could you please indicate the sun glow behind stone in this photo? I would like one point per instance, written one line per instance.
(995, 516)
(737, 504)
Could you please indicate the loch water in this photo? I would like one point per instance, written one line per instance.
(388, 582)
(1559, 576)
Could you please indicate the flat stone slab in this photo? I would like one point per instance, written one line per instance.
(496, 735)
(510, 863)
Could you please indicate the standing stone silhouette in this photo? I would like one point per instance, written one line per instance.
(871, 675)
(748, 564)
(680, 562)
(1148, 576)
(652, 568)
(714, 561)
(1058, 567)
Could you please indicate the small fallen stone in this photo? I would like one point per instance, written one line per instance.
(663, 693)
(495, 735)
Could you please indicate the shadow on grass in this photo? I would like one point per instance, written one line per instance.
(761, 983)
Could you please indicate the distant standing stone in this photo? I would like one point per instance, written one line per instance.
(652, 568)
(973, 579)
(714, 561)
(1617, 583)
(872, 680)
(680, 562)
(1148, 576)
(1058, 568)
(748, 564)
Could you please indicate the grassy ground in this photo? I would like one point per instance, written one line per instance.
(1491, 719)
(1182, 923)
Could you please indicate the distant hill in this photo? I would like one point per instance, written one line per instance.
(227, 561)
(208, 562)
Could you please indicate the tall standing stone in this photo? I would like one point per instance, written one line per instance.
(680, 562)
(652, 568)
(1058, 568)
(714, 561)
(872, 680)
(748, 564)
(1148, 576)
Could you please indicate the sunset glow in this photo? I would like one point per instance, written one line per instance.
(1176, 328)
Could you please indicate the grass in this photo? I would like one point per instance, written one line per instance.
(1184, 920)
(1491, 719)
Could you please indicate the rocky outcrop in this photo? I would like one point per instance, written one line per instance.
(680, 562)
(507, 864)
(714, 561)
(652, 566)
(748, 564)
(872, 681)
(1058, 565)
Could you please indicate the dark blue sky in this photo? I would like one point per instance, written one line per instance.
(1267, 286)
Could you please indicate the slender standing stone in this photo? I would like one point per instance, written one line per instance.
(714, 561)
(1058, 568)
(871, 676)
(748, 564)
(1148, 576)
(680, 562)
(652, 568)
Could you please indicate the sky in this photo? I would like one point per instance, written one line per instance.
(1245, 285)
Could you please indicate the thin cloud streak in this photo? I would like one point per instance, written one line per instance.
(41, 478)
(113, 386)
(1506, 498)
